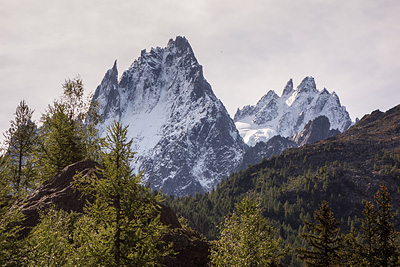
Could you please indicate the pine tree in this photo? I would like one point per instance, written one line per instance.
(368, 237)
(61, 144)
(323, 239)
(246, 239)
(85, 113)
(376, 244)
(120, 226)
(351, 253)
(66, 138)
(387, 237)
(20, 141)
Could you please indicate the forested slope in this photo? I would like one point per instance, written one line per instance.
(345, 170)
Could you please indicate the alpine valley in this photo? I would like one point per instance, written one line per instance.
(184, 137)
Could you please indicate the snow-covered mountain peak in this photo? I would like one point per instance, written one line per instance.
(184, 138)
(180, 43)
(288, 114)
(307, 85)
(266, 99)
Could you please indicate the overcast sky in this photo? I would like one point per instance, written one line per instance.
(246, 48)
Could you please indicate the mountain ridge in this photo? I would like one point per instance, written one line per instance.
(286, 115)
(184, 138)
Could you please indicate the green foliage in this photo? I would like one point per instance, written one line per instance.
(387, 241)
(20, 141)
(323, 239)
(121, 212)
(50, 243)
(120, 226)
(66, 138)
(10, 243)
(62, 145)
(10, 219)
(246, 239)
(367, 249)
(377, 243)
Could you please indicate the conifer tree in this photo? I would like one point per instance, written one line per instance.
(368, 237)
(50, 242)
(377, 242)
(120, 226)
(10, 219)
(20, 141)
(323, 239)
(85, 113)
(387, 249)
(246, 239)
(62, 145)
(66, 137)
(351, 252)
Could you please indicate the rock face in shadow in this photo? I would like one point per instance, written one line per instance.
(314, 131)
(272, 147)
(58, 192)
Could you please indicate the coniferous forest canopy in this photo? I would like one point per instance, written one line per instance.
(335, 202)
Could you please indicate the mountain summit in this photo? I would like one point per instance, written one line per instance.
(184, 138)
(288, 114)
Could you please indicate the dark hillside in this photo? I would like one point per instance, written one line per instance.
(346, 170)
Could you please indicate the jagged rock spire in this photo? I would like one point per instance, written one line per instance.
(288, 90)
(307, 84)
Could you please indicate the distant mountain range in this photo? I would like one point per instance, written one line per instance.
(185, 139)
(288, 114)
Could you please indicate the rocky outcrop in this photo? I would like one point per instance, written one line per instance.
(192, 249)
(58, 192)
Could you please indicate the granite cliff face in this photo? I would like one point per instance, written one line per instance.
(184, 138)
